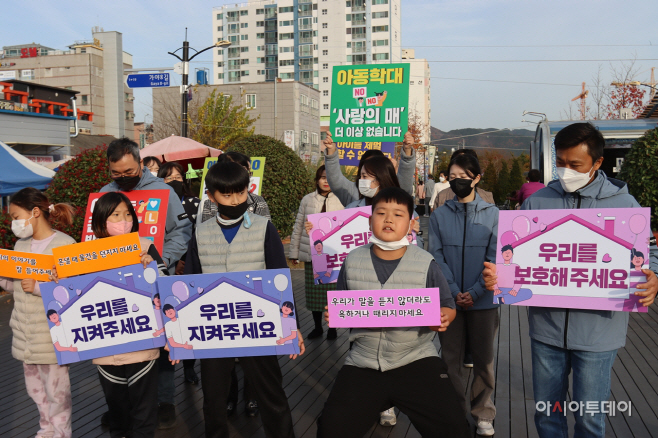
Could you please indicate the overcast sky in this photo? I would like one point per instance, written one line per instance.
(466, 93)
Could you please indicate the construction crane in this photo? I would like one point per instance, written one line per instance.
(651, 84)
(583, 99)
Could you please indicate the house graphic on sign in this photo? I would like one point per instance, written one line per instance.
(356, 223)
(612, 252)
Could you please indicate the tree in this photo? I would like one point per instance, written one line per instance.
(524, 162)
(516, 176)
(504, 187)
(219, 123)
(286, 179)
(490, 178)
(639, 172)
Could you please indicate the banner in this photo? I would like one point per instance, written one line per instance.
(151, 208)
(14, 264)
(349, 154)
(369, 102)
(579, 258)
(333, 236)
(97, 255)
(384, 308)
(232, 314)
(103, 314)
(255, 182)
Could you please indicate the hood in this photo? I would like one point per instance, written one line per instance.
(478, 204)
(601, 188)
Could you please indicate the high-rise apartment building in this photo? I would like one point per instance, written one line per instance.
(303, 39)
(419, 91)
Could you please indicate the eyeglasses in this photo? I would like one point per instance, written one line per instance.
(129, 173)
(171, 178)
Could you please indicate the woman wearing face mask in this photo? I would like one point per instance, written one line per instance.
(133, 408)
(46, 382)
(320, 201)
(153, 164)
(462, 237)
(440, 186)
(173, 175)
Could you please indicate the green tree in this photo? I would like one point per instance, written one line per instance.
(639, 172)
(219, 122)
(286, 180)
(490, 178)
(516, 175)
(503, 187)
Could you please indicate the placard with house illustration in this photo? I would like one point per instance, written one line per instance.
(230, 314)
(151, 208)
(333, 236)
(104, 313)
(578, 258)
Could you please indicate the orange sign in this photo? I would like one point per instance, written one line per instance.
(97, 255)
(14, 264)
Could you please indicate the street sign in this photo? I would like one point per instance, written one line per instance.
(148, 80)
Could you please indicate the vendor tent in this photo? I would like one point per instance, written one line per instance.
(17, 172)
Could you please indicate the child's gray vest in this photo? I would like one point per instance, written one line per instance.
(389, 348)
(245, 253)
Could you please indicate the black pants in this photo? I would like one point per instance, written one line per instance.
(131, 393)
(233, 393)
(421, 389)
(266, 382)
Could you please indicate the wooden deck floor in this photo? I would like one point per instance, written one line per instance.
(308, 381)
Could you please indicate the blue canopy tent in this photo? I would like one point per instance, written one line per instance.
(17, 172)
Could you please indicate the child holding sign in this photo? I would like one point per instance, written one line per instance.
(393, 366)
(46, 382)
(238, 240)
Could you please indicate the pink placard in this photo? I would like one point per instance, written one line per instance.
(384, 308)
(576, 258)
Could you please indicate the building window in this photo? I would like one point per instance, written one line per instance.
(260, 24)
(379, 56)
(380, 14)
(219, 16)
(285, 62)
(260, 11)
(220, 63)
(325, 80)
(325, 25)
(324, 12)
(260, 35)
(325, 66)
(286, 36)
(27, 74)
(244, 12)
(244, 73)
(243, 25)
(325, 106)
(287, 23)
(286, 49)
(287, 75)
(220, 75)
(325, 39)
(260, 60)
(84, 99)
(250, 100)
(325, 52)
(127, 115)
(379, 2)
(325, 93)
(377, 43)
(380, 28)
(220, 28)
(285, 9)
(244, 37)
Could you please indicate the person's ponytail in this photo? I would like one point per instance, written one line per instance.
(62, 214)
(30, 198)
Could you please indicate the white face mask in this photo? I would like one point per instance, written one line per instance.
(572, 180)
(365, 189)
(155, 174)
(441, 179)
(20, 229)
(391, 246)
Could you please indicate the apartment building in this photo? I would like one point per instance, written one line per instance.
(302, 40)
(419, 91)
(93, 67)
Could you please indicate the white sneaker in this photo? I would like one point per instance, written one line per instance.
(388, 418)
(485, 428)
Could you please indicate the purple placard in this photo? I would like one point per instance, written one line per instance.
(384, 308)
(578, 259)
(338, 233)
(104, 313)
(230, 314)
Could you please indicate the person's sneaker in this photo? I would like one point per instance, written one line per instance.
(230, 408)
(316, 333)
(166, 416)
(332, 334)
(190, 376)
(252, 408)
(388, 418)
(485, 428)
(468, 360)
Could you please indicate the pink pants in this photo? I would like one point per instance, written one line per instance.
(50, 388)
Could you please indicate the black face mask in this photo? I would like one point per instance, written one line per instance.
(232, 211)
(127, 183)
(177, 186)
(461, 187)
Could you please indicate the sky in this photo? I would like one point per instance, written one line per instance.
(560, 43)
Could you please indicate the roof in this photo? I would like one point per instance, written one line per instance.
(256, 290)
(37, 85)
(651, 110)
(18, 172)
(98, 280)
(84, 142)
(347, 221)
(582, 222)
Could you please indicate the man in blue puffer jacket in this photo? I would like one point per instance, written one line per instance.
(583, 342)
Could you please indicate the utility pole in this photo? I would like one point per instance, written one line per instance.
(186, 69)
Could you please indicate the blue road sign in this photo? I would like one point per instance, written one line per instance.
(148, 80)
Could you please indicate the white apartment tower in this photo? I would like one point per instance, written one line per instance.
(419, 90)
(303, 39)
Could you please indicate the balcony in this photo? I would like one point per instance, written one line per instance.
(305, 13)
(235, 19)
(304, 1)
(233, 79)
(270, 26)
(271, 64)
(361, 8)
(234, 65)
(358, 22)
(271, 38)
(304, 65)
(306, 40)
(358, 36)
(305, 27)
(361, 49)
(270, 13)
(233, 54)
(272, 50)
(270, 75)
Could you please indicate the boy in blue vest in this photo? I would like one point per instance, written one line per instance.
(237, 240)
(393, 366)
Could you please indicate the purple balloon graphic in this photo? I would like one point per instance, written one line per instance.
(508, 238)
(54, 305)
(61, 294)
(637, 224)
(171, 300)
(521, 226)
(325, 224)
(180, 290)
(317, 235)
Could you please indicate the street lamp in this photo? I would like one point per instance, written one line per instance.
(186, 68)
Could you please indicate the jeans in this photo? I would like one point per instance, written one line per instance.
(166, 387)
(550, 380)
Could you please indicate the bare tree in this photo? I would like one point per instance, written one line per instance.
(599, 93)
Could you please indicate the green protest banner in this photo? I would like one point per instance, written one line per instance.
(369, 102)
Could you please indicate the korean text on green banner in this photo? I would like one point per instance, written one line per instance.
(369, 102)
